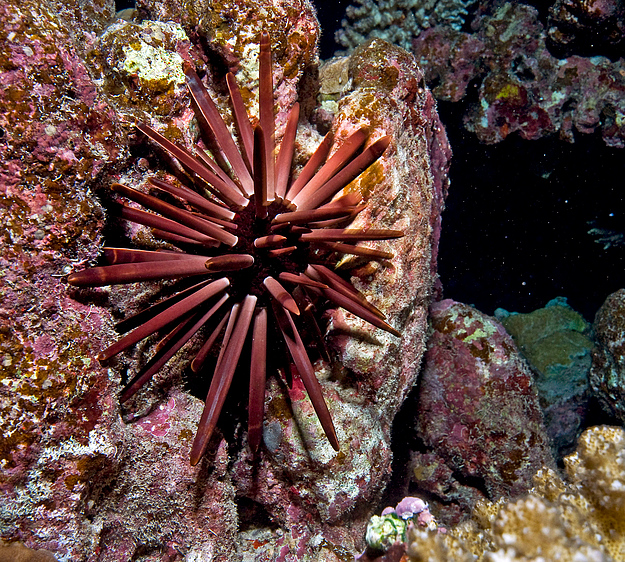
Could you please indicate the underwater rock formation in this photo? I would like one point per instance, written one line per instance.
(522, 86)
(555, 341)
(75, 477)
(607, 375)
(477, 415)
(594, 26)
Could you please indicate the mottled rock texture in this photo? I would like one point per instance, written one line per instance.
(76, 477)
(477, 415)
(607, 375)
(596, 26)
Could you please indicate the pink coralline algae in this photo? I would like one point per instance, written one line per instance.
(523, 88)
(88, 481)
(477, 415)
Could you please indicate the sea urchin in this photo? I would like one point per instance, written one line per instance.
(247, 232)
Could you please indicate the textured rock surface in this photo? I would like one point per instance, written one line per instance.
(556, 342)
(478, 415)
(58, 141)
(75, 477)
(596, 26)
(607, 375)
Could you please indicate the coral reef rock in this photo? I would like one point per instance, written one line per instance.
(556, 342)
(607, 375)
(593, 25)
(76, 477)
(478, 416)
(572, 519)
(522, 87)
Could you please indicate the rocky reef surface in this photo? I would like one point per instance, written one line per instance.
(523, 87)
(490, 499)
(80, 476)
(83, 479)
(607, 373)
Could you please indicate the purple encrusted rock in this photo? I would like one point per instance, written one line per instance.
(478, 414)
(58, 410)
(450, 59)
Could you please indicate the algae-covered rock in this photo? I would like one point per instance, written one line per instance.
(477, 416)
(607, 376)
(556, 342)
(141, 65)
(76, 478)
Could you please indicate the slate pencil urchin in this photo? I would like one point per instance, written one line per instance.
(260, 246)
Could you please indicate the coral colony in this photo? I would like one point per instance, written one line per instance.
(262, 247)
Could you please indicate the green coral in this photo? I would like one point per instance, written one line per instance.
(555, 342)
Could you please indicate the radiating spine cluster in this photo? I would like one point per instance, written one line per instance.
(278, 232)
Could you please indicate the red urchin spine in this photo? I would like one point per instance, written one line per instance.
(256, 222)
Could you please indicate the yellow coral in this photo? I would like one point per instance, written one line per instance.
(597, 470)
(508, 91)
